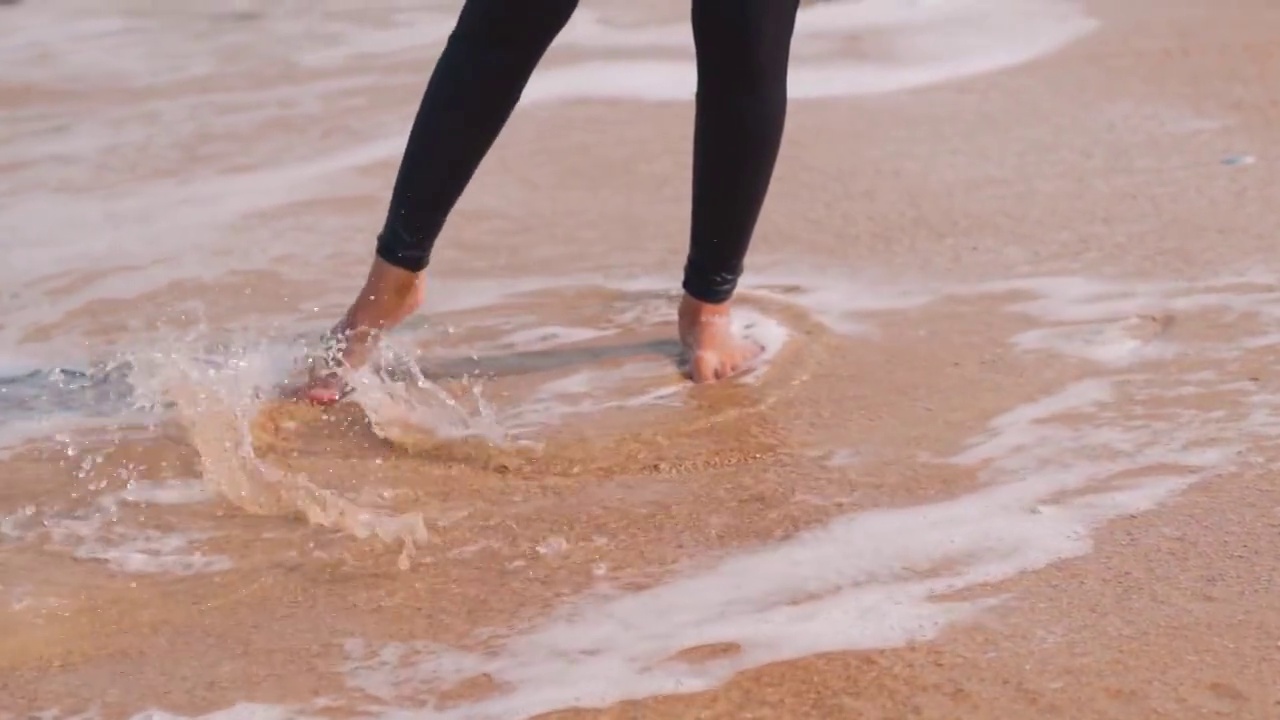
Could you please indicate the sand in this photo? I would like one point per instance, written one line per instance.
(1009, 457)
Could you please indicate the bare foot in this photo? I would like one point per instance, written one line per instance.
(714, 352)
(390, 295)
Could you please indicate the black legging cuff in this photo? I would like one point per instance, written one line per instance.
(397, 250)
(709, 286)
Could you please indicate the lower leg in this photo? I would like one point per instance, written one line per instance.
(477, 82)
(743, 48)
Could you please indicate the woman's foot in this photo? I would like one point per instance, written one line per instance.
(706, 334)
(390, 295)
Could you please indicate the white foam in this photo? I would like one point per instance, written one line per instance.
(405, 31)
(422, 404)
(1053, 468)
(765, 331)
(57, 714)
(394, 407)
(240, 711)
(843, 457)
(14, 525)
(100, 533)
(419, 403)
(841, 303)
(74, 44)
(168, 492)
(866, 580)
(541, 338)
(16, 433)
(591, 391)
(117, 226)
(928, 43)
(1115, 343)
(149, 552)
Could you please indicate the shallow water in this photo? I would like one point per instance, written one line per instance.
(523, 508)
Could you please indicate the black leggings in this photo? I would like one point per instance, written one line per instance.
(742, 51)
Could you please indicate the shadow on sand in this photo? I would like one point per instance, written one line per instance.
(535, 361)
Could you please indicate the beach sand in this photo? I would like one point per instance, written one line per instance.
(1008, 457)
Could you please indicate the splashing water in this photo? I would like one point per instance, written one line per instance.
(217, 400)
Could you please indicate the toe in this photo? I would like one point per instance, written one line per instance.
(322, 395)
(703, 367)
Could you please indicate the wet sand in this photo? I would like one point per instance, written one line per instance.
(1010, 461)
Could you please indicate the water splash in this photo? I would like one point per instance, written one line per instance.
(218, 399)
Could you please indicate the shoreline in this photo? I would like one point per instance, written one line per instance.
(1019, 432)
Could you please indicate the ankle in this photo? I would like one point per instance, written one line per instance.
(697, 320)
(389, 295)
(697, 311)
(379, 308)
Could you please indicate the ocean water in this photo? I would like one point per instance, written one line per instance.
(523, 508)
